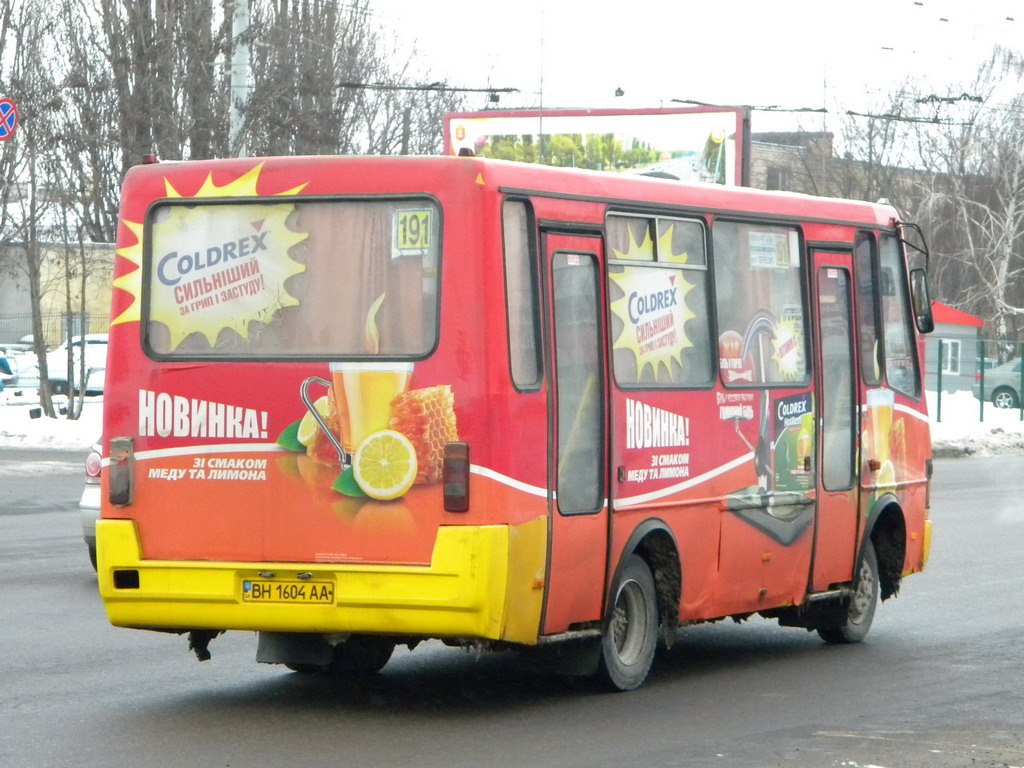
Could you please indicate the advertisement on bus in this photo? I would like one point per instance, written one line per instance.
(700, 143)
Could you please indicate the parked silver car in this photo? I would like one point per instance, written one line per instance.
(95, 348)
(1002, 385)
(89, 506)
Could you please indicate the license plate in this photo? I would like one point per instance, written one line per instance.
(288, 591)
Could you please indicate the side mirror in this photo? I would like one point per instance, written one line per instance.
(922, 301)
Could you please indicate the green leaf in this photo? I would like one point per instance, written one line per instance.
(289, 438)
(346, 484)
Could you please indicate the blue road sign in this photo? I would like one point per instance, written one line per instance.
(8, 118)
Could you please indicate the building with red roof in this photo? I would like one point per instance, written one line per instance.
(953, 349)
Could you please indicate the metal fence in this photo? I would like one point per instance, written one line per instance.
(989, 369)
(57, 327)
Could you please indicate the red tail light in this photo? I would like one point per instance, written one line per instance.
(122, 466)
(93, 467)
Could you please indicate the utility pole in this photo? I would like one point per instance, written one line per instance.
(406, 129)
(239, 74)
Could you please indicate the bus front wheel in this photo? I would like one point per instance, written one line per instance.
(629, 640)
(855, 621)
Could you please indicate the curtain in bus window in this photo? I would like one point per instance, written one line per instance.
(761, 319)
(659, 306)
(521, 296)
(580, 470)
(900, 354)
(867, 316)
(325, 278)
(631, 238)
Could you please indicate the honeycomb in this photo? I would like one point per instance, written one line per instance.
(427, 418)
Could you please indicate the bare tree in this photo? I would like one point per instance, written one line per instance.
(27, 202)
(326, 80)
(101, 84)
(166, 64)
(974, 200)
(876, 160)
(301, 50)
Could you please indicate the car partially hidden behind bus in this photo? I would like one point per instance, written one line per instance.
(360, 402)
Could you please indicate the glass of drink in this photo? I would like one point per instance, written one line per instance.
(363, 392)
(880, 407)
(805, 442)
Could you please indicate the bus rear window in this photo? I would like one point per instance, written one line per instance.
(287, 279)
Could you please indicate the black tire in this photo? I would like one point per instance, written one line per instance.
(58, 387)
(1005, 398)
(858, 610)
(92, 556)
(360, 656)
(631, 633)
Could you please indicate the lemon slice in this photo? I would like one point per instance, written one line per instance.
(308, 426)
(385, 465)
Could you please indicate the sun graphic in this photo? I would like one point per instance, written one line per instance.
(653, 307)
(214, 266)
(787, 345)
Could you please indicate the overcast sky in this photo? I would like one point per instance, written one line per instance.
(790, 53)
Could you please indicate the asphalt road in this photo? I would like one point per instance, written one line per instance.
(937, 683)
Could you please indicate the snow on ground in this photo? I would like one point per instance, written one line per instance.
(960, 433)
(19, 429)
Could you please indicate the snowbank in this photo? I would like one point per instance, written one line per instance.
(19, 429)
(960, 433)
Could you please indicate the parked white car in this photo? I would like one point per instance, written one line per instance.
(89, 505)
(95, 347)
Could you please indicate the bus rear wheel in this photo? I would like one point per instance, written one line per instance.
(629, 640)
(360, 656)
(855, 621)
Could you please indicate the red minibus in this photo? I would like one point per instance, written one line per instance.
(359, 402)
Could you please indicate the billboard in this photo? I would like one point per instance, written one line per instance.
(702, 143)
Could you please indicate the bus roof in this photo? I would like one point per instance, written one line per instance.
(370, 175)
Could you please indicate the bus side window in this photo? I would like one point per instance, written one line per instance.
(900, 351)
(521, 295)
(867, 310)
(759, 301)
(658, 296)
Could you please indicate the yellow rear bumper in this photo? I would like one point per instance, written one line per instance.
(926, 546)
(483, 582)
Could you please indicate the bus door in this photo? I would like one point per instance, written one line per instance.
(836, 383)
(577, 444)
